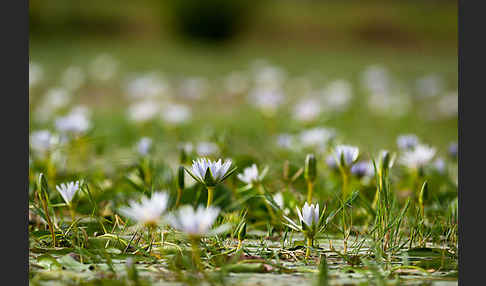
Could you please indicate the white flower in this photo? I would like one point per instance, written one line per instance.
(143, 111)
(42, 140)
(338, 94)
(316, 137)
(309, 214)
(76, 121)
(266, 100)
(251, 175)
(348, 153)
(407, 141)
(149, 210)
(73, 78)
(143, 146)
(278, 198)
(376, 79)
(36, 73)
(418, 157)
(218, 171)
(68, 190)
(147, 86)
(285, 140)
(206, 148)
(363, 169)
(307, 110)
(104, 67)
(192, 222)
(194, 87)
(430, 85)
(176, 113)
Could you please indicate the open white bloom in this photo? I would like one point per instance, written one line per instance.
(206, 148)
(192, 222)
(210, 173)
(251, 175)
(418, 157)
(407, 141)
(347, 153)
(309, 214)
(143, 146)
(149, 210)
(316, 137)
(176, 113)
(68, 190)
(76, 121)
(307, 110)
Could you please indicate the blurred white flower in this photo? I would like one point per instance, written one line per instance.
(143, 111)
(176, 113)
(218, 171)
(42, 140)
(236, 83)
(194, 87)
(197, 223)
(54, 99)
(266, 100)
(376, 79)
(68, 190)
(338, 95)
(149, 210)
(440, 165)
(430, 85)
(36, 74)
(347, 153)
(206, 148)
(270, 77)
(316, 137)
(363, 169)
(407, 141)
(307, 109)
(73, 78)
(418, 157)
(285, 141)
(104, 67)
(387, 104)
(448, 104)
(251, 175)
(148, 86)
(76, 121)
(144, 145)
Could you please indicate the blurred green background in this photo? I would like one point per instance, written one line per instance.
(211, 38)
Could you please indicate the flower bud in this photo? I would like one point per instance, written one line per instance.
(180, 178)
(310, 169)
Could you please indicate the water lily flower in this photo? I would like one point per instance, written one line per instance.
(149, 210)
(316, 137)
(76, 121)
(346, 154)
(363, 169)
(143, 111)
(407, 141)
(68, 190)
(251, 175)
(144, 145)
(210, 173)
(337, 96)
(307, 110)
(309, 214)
(418, 157)
(193, 222)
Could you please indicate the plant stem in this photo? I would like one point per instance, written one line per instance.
(179, 195)
(240, 244)
(195, 252)
(49, 222)
(310, 188)
(210, 196)
(269, 208)
(309, 245)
